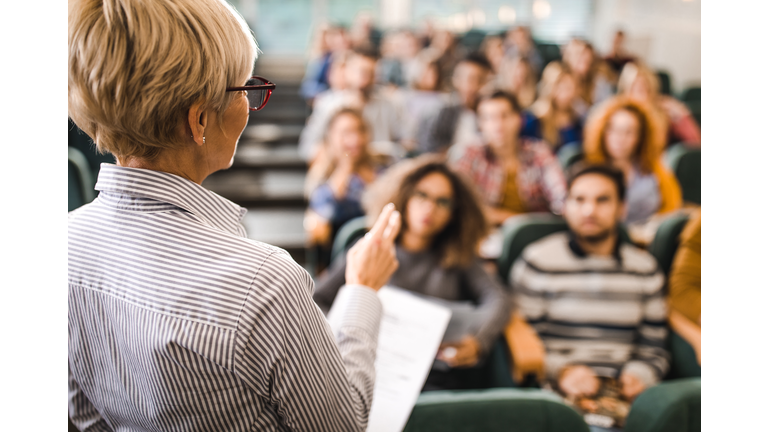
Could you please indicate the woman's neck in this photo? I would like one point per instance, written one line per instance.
(415, 243)
(178, 163)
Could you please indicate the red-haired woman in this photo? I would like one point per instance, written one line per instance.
(625, 133)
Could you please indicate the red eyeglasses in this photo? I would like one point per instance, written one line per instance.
(258, 90)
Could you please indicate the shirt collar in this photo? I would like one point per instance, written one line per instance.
(212, 209)
(579, 252)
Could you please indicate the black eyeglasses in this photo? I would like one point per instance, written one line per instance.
(441, 202)
(258, 90)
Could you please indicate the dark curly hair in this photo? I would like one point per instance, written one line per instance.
(459, 241)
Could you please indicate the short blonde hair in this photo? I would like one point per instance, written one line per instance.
(136, 67)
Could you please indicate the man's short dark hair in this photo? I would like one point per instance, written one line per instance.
(506, 96)
(478, 59)
(613, 174)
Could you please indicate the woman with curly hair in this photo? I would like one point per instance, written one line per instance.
(625, 133)
(443, 224)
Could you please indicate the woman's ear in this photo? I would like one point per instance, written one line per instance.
(197, 118)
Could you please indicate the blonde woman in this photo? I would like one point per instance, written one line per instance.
(178, 321)
(559, 123)
(336, 181)
(642, 84)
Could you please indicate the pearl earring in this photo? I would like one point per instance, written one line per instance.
(203, 140)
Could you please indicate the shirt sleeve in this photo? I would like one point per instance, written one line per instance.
(650, 360)
(314, 376)
(82, 413)
(323, 202)
(492, 300)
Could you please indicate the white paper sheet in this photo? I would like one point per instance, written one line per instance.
(409, 336)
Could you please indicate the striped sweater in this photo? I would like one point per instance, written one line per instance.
(606, 312)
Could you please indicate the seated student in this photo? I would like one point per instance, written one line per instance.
(685, 285)
(558, 121)
(420, 100)
(640, 83)
(442, 227)
(455, 124)
(336, 80)
(518, 78)
(336, 181)
(593, 82)
(594, 300)
(360, 93)
(514, 174)
(625, 133)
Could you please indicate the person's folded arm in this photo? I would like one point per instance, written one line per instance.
(290, 357)
(82, 413)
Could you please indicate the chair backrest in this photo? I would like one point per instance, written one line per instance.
(686, 164)
(671, 406)
(347, 235)
(665, 83)
(569, 154)
(667, 239)
(520, 410)
(691, 94)
(80, 180)
(520, 231)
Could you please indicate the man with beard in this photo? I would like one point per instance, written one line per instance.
(595, 300)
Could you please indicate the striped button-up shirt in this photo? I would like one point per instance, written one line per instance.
(178, 322)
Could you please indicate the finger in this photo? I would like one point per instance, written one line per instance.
(377, 231)
(393, 228)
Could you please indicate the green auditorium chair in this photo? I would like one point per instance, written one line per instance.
(549, 52)
(686, 164)
(664, 247)
(665, 82)
(348, 234)
(671, 406)
(519, 410)
(80, 180)
(569, 154)
(667, 239)
(692, 99)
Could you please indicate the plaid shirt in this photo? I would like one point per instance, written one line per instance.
(540, 178)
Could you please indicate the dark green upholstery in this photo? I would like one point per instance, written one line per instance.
(348, 234)
(80, 180)
(686, 164)
(520, 231)
(519, 410)
(672, 406)
(569, 154)
(665, 82)
(692, 99)
(667, 239)
(691, 94)
(79, 140)
(684, 363)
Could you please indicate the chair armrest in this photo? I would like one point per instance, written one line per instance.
(687, 329)
(526, 349)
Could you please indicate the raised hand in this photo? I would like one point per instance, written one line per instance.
(371, 261)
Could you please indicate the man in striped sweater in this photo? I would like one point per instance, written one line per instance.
(596, 301)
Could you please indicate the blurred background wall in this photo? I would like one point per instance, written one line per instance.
(666, 33)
